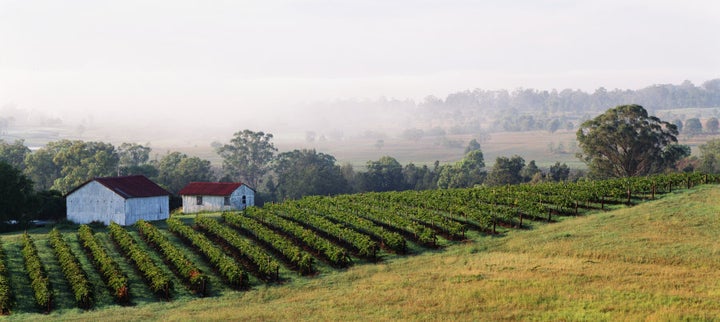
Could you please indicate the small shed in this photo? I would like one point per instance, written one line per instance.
(123, 200)
(216, 196)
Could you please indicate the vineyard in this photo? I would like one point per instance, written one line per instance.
(82, 267)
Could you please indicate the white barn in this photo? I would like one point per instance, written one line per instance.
(216, 196)
(123, 200)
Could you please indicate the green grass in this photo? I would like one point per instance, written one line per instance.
(656, 261)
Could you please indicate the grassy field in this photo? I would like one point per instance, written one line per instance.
(357, 151)
(655, 261)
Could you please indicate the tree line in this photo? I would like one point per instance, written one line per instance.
(36, 181)
(624, 141)
(251, 157)
(527, 109)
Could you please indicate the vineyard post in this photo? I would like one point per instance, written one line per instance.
(494, 216)
(549, 214)
(576, 207)
(494, 220)
(520, 213)
(629, 195)
(653, 190)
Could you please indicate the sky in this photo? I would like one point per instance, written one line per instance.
(229, 62)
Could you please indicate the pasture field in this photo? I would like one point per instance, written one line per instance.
(657, 260)
(542, 146)
(356, 151)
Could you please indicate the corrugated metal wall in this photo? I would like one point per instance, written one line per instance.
(95, 202)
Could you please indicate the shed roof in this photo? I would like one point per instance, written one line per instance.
(210, 188)
(137, 186)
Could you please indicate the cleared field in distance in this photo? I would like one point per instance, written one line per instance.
(357, 151)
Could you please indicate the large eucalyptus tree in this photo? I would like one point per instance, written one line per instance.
(625, 141)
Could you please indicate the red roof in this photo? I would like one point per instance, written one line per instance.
(130, 186)
(210, 188)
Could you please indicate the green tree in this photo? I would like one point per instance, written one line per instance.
(625, 141)
(559, 172)
(133, 160)
(468, 172)
(419, 178)
(384, 174)
(64, 165)
(248, 157)
(506, 171)
(306, 173)
(450, 177)
(554, 125)
(41, 168)
(50, 204)
(81, 161)
(351, 177)
(16, 194)
(473, 145)
(529, 171)
(14, 153)
(710, 156)
(693, 126)
(176, 170)
(711, 125)
(679, 124)
(709, 164)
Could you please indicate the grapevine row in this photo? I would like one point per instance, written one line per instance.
(299, 259)
(187, 270)
(363, 244)
(265, 265)
(334, 254)
(358, 206)
(70, 266)
(431, 219)
(5, 291)
(107, 266)
(38, 278)
(327, 208)
(158, 281)
(224, 264)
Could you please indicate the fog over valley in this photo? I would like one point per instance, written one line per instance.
(187, 74)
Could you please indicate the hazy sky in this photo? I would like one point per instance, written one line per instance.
(250, 58)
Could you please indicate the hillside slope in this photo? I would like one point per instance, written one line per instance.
(655, 261)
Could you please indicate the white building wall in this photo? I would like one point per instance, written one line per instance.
(217, 203)
(95, 202)
(210, 203)
(149, 208)
(236, 197)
